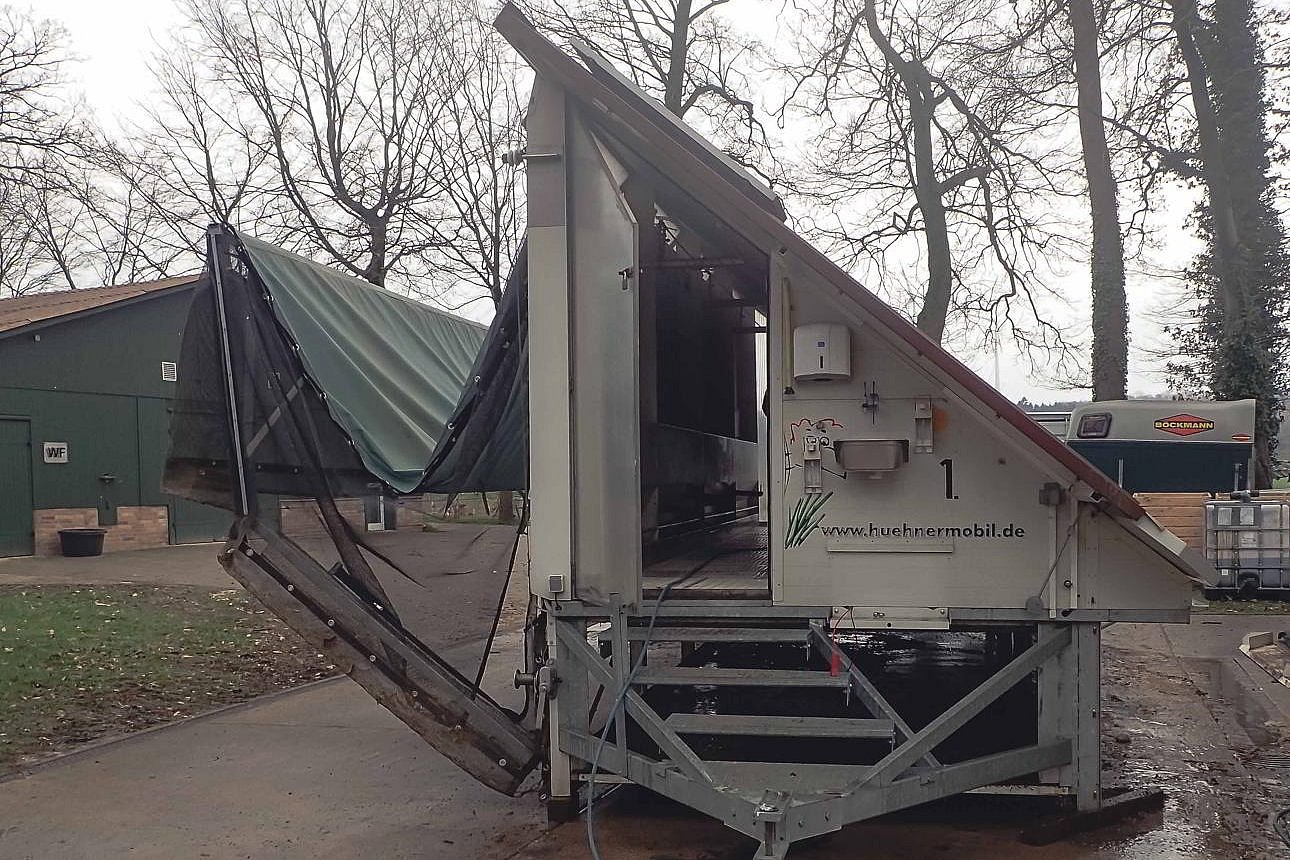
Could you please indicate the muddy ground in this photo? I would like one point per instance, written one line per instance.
(1185, 712)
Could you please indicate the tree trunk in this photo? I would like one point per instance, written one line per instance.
(678, 51)
(1242, 363)
(940, 271)
(378, 251)
(1214, 169)
(927, 188)
(1110, 369)
(506, 507)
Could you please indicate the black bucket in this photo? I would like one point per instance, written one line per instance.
(81, 543)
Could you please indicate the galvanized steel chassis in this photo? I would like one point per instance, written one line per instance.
(779, 804)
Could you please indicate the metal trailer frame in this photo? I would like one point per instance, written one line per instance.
(782, 803)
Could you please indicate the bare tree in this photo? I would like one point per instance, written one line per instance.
(683, 52)
(74, 225)
(66, 219)
(196, 157)
(481, 129)
(24, 265)
(348, 97)
(35, 119)
(1110, 366)
(934, 131)
(36, 131)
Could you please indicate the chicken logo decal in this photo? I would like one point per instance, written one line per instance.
(1183, 424)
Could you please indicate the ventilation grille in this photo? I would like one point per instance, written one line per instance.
(169, 371)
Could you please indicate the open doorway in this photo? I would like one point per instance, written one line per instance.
(703, 312)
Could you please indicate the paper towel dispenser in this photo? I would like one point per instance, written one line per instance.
(821, 352)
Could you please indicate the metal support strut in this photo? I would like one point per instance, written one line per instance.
(778, 803)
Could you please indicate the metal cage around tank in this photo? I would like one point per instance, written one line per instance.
(1248, 540)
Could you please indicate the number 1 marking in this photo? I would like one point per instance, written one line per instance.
(949, 478)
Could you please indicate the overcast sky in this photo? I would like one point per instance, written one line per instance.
(113, 43)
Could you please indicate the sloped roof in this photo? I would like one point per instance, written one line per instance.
(38, 307)
(643, 123)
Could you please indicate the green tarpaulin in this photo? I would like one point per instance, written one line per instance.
(392, 369)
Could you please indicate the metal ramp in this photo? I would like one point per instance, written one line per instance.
(394, 667)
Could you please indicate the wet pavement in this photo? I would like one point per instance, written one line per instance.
(325, 772)
(1202, 724)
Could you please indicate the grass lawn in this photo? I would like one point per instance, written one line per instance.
(1224, 606)
(82, 662)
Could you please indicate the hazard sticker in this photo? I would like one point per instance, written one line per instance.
(1184, 424)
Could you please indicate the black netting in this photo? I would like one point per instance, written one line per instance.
(292, 445)
(487, 443)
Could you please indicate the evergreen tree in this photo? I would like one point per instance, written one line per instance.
(1240, 340)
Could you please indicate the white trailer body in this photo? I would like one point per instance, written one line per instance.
(901, 491)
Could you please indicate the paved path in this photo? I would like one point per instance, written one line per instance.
(323, 772)
(193, 564)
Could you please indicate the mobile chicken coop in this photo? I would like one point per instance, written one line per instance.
(744, 473)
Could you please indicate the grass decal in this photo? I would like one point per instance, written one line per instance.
(804, 518)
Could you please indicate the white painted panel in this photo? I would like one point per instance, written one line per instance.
(960, 525)
(606, 401)
(550, 419)
(550, 428)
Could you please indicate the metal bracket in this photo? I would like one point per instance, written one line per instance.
(769, 816)
(902, 617)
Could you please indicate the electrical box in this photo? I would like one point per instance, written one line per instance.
(821, 352)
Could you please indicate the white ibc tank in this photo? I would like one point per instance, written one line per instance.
(1248, 536)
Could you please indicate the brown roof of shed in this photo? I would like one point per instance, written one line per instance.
(38, 307)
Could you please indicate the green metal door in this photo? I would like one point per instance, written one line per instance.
(15, 488)
(190, 522)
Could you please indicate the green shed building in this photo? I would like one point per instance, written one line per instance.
(86, 380)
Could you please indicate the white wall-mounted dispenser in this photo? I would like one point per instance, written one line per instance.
(821, 352)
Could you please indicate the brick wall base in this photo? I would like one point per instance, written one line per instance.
(300, 518)
(137, 527)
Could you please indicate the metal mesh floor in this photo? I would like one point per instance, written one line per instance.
(733, 562)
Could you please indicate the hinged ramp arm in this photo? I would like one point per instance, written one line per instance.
(395, 668)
